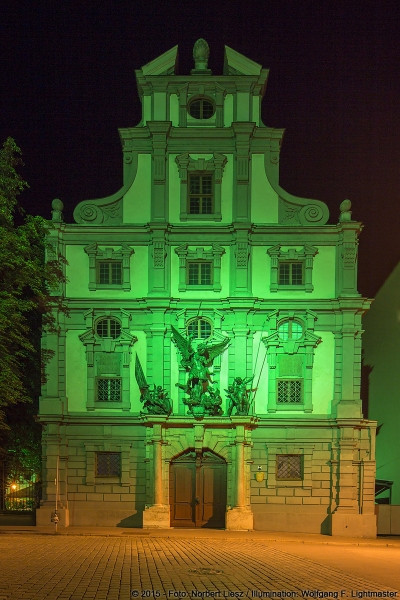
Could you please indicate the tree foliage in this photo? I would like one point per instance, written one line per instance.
(26, 304)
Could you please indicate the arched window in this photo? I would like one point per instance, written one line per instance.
(290, 330)
(199, 328)
(108, 328)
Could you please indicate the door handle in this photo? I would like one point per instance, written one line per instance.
(197, 500)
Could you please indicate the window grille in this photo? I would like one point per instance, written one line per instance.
(290, 391)
(108, 464)
(290, 330)
(291, 273)
(200, 195)
(199, 328)
(108, 389)
(109, 272)
(108, 328)
(201, 109)
(199, 273)
(288, 466)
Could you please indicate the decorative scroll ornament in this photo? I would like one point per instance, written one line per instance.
(97, 214)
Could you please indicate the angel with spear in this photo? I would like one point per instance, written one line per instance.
(197, 360)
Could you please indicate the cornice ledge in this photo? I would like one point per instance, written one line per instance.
(108, 210)
(293, 210)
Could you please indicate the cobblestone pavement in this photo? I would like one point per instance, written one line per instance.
(74, 568)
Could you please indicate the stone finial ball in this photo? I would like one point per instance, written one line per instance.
(57, 204)
(345, 206)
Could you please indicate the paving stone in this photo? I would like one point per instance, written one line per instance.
(118, 568)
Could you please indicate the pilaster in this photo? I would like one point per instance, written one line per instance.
(241, 201)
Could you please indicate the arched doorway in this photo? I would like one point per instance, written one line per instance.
(198, 490)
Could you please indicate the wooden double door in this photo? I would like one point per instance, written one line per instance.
(198, 490)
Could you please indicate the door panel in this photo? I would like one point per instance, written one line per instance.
(214, 495)
(198, 491)
(182, 488)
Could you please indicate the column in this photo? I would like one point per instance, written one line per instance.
(157, 515)
(240, 517)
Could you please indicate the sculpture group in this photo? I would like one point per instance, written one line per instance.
(203, 397)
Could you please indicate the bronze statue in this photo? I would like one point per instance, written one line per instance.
(197, 360)
(155, 401)
(239, 396)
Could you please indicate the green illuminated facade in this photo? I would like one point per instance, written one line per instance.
(381, 355)
(202, 238)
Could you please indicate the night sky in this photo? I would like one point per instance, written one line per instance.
(67, 83)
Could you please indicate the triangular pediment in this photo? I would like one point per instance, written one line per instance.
(238, 64)
(162, 65)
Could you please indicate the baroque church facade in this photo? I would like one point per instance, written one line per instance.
(202, 256)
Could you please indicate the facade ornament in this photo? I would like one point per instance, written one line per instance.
(345, 212)
(155, 401)
(56, 213)
(239, 396)
(204, 399)
(201, 52)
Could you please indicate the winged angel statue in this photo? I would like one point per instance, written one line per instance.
(155, 401)
(197, 360)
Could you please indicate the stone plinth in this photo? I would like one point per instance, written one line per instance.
(239, 519)
(156, 517)
(353, 525)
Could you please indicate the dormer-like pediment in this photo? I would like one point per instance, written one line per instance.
(162, 65)
(238, 64)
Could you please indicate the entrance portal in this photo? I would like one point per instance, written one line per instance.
(198, 490)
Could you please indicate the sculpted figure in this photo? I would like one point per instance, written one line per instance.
(239, 396)
(197, 360)
(155, 401)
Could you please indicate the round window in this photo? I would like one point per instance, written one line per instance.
(200, 108)
(199, 329)
(290, 330)
(110, 328)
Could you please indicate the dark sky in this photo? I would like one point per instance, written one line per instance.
(67, 83)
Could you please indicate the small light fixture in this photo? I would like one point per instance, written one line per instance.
(14, 486)
(259, 474)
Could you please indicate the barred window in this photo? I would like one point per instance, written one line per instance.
(199, 328)
(108, 464)
(108, 389)
(291, 273)
(201, 108)
(288, 466)
(109, 272)
(199, 273)
(290, 330)
(108, 328)
(200, 195)
(290, 391)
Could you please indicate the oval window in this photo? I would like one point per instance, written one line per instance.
(110, 328)
(290, 330)
(201, 108)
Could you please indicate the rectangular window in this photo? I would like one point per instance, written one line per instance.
(199, 273)
(108, 464)
(109, 272)
(109, 389)
(291, 273)
(290, 391)
(288, 466)
(200, 195)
